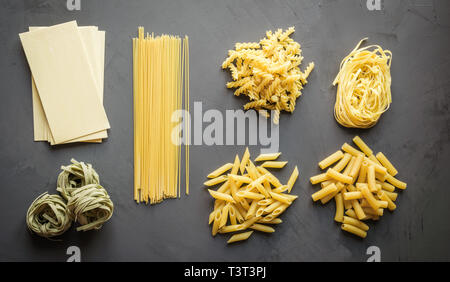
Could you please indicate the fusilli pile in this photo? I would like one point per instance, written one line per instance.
(268, 72)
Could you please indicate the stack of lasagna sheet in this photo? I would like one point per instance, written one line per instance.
(67, 69)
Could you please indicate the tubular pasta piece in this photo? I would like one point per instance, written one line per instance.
(221, 170)
(274, 164)
(343, 162)
(262, 228)
(221, 196)
(331, 159)
(244, 161)
(363, 146)
(267, 157)
(339, 215)
(240, 237)
(216, 180)
(349, 149)
(319, 178)
(324, 192)
(397, 183)
(354, 230)
(331, 173)
(352, 221)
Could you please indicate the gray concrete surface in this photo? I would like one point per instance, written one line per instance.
(414, 133)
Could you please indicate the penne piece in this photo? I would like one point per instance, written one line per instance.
(240, 237)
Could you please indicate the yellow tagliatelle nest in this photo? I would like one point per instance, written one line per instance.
(268, 72)
(364, 90)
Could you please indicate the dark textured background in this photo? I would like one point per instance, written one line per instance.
(414, 133)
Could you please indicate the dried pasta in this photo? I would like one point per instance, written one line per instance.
(364, 86)
(82, 199)
(240, 237)
(91, 206)
(360, 190)
(48, 216)
(75, 175)
(249, 200)
(160, 72)
(268, 72)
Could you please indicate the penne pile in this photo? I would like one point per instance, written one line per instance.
(362, 185)
(250, 196)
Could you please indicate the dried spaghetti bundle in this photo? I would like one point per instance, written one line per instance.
(364, 90)
(160, 74)
(48, 216)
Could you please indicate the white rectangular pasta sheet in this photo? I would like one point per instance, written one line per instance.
(65, 81)
(94, 41)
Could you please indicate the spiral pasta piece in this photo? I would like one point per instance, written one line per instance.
(91, 206)
(48, 216)
(76, 175)
(364, 86)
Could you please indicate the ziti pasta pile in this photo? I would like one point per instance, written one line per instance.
(364, 90)
(250, 196)
(268, 72)
(362, 185)
(160, 71)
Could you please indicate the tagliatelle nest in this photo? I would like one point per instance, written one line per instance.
(268, 72)
(91, 206)
(74, 176)
(364, 86)
(48, 216)
(88, 203)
